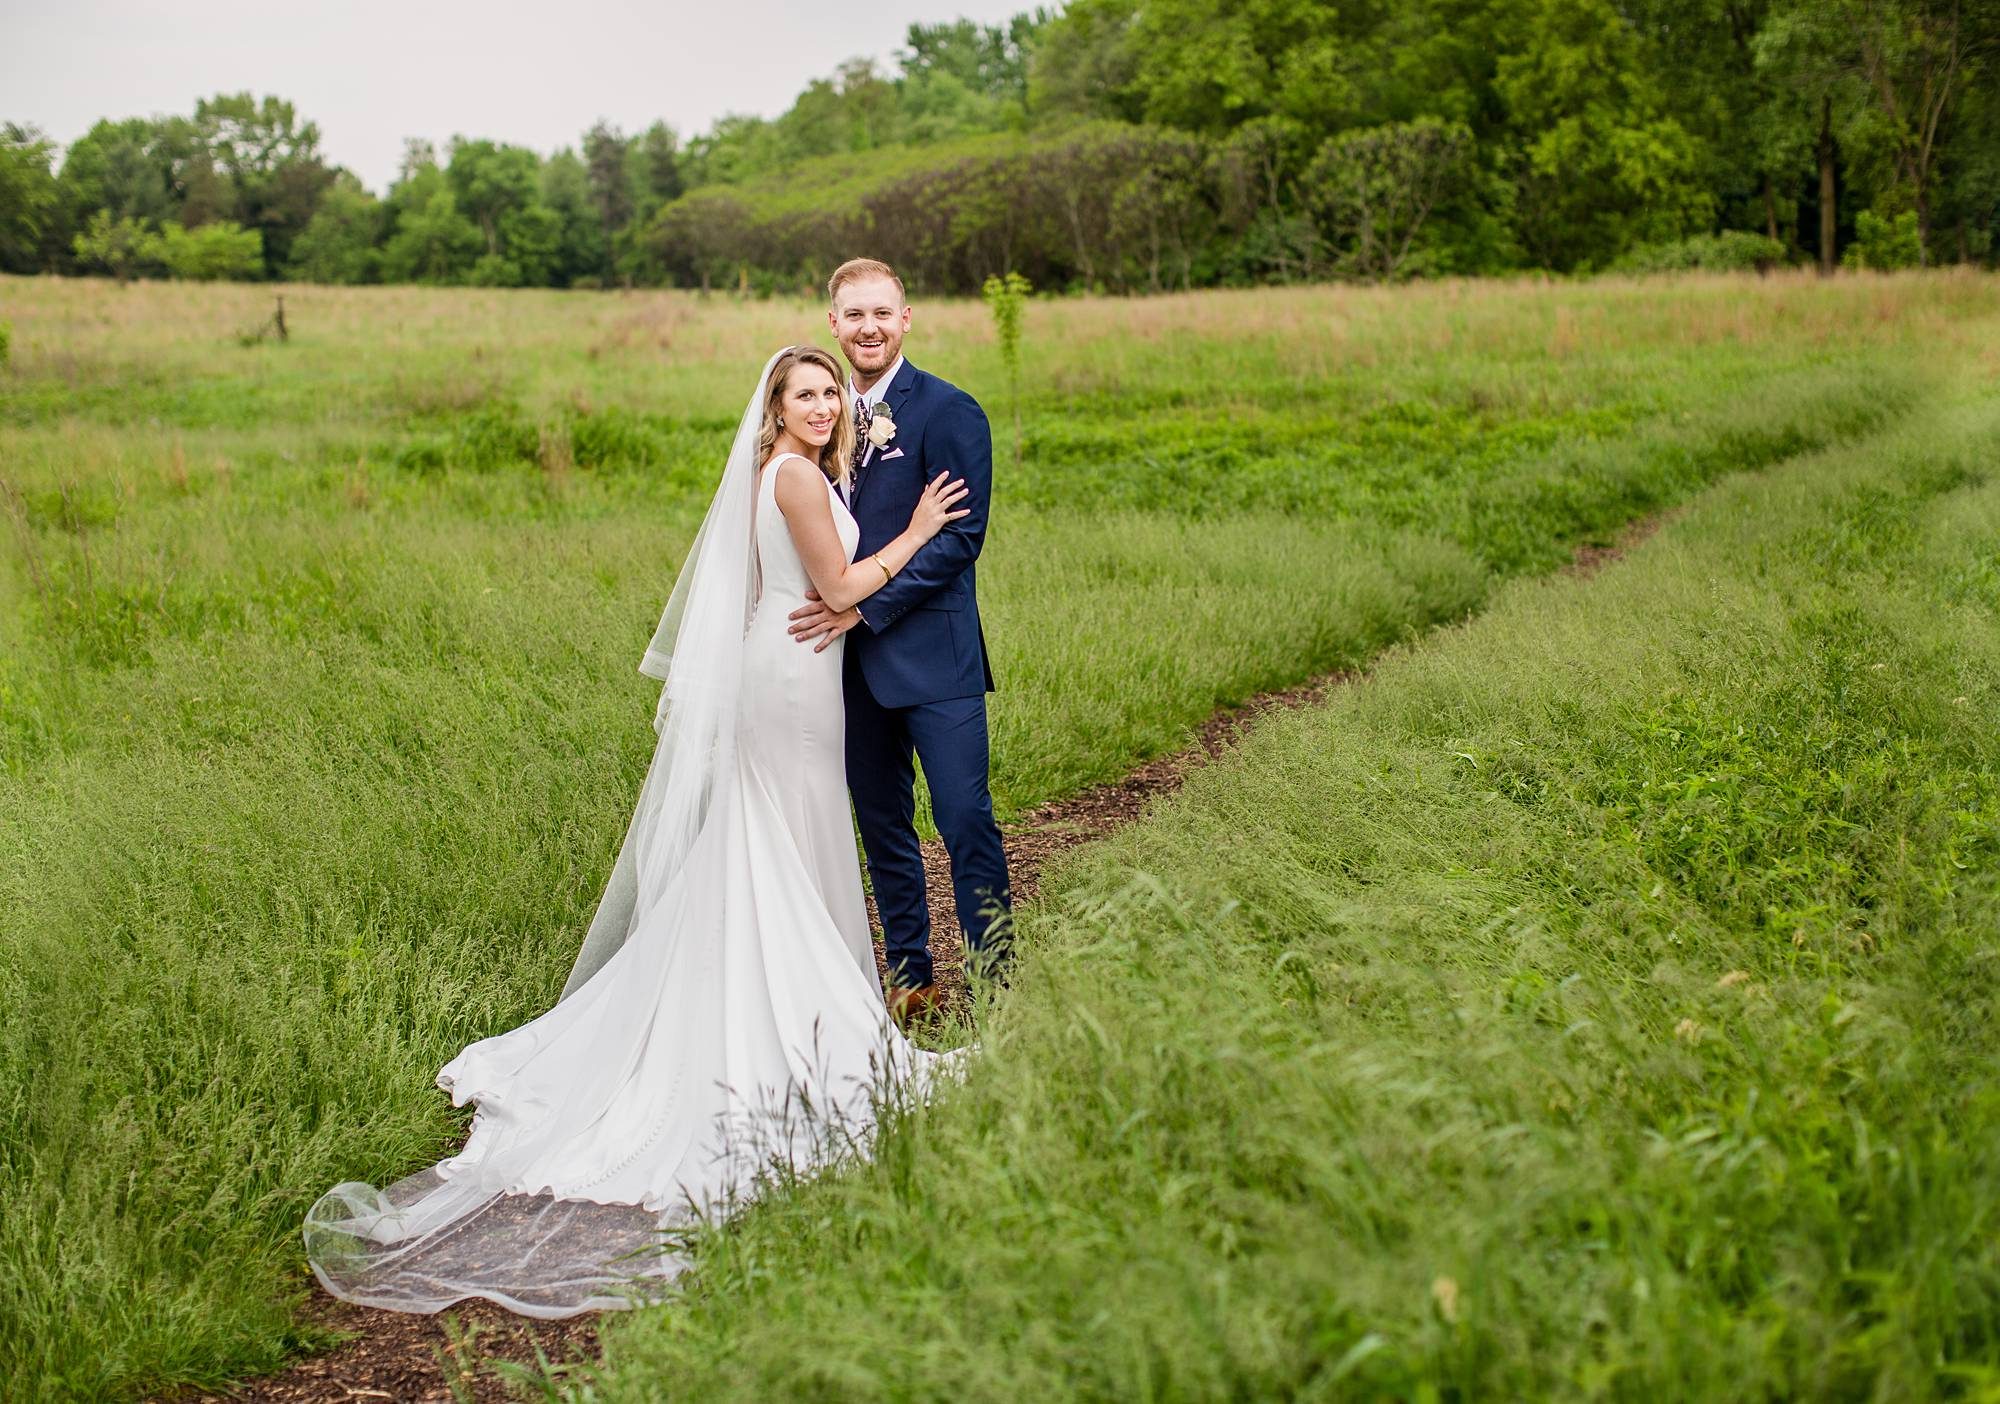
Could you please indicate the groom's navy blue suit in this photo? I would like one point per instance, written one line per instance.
(917, 677)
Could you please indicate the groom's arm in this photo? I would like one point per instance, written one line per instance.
(958, 441)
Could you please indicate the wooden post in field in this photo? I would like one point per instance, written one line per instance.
(283, 335)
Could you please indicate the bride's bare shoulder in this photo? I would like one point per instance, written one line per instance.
(795, 477)
(792, 466)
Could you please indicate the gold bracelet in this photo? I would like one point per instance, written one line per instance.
(887, 574)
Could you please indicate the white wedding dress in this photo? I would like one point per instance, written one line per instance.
(740, 1022)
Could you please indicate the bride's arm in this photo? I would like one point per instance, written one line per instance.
(801, 496)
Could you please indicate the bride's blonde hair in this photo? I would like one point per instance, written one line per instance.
(837, 458)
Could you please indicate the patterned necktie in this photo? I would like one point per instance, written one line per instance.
(862, 414)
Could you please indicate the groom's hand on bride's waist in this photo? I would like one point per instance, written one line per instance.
(816, 621)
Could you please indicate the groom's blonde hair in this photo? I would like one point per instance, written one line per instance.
(854, 270)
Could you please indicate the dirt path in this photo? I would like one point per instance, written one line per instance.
(438, 1359)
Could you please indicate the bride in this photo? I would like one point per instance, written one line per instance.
(724, 1013)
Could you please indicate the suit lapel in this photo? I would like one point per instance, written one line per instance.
(898, 395)
(900, 390)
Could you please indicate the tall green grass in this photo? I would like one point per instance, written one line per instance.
(319, 718)
(1602, 1000)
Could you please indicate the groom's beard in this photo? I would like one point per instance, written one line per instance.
(871, 361)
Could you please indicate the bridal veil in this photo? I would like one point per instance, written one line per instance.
(697, 652)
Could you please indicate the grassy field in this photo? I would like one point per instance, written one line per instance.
(1601, 1001)
(319, 721)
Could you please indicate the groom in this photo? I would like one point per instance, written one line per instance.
(916, 672)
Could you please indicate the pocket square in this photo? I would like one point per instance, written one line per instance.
(892, 453)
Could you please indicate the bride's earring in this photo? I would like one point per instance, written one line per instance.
(781, 421)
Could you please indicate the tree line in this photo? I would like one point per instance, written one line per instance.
(1135, 145)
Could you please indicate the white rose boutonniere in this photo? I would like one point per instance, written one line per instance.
(881, 427)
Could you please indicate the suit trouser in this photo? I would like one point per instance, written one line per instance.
(949, 739)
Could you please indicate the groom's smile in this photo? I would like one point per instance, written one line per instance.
(869, 318)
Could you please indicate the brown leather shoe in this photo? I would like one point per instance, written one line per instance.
(910, 1004)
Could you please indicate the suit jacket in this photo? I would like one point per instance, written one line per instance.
(921, 639)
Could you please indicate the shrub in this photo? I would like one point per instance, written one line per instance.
(614, 438)
(421, 456)
(119, 247)
(341, 243)
(498, 436)
(1884, 244)
(1373, 190)
(212, 251)
(495, 271)
(1731, 251)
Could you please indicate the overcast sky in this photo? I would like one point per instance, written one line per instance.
(372, 72)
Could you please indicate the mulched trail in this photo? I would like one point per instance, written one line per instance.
(404, 1358)
(1063, 824)
(408, 1359)
(1587, 560)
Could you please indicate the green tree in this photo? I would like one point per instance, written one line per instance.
(1375, 189)
(30, 201)
(1916, 57)
(116, 167)
(817, 123)
(1754, 141)
(1135, 144)
(200, 189)
(656, 171)
(1806, 49)
(1257, 171)
(338, 245)
(1436, 58)
(119, 246)
(940, 108)
(532, 237)
(733, 149)
(1892, 75)
(1086, 63)
(583, 243)
(963, 77)
(855, 110)
(489, 181)
(988, 60)
(1601, 168)
(607, 157)
(429, 241)
(1969, 170)
(1206, 66)
(272, 164)
(1164, 208)
(1885, 244)
(705, 237)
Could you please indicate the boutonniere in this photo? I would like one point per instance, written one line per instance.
(881, 426)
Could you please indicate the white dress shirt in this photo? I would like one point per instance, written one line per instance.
(880, 388)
